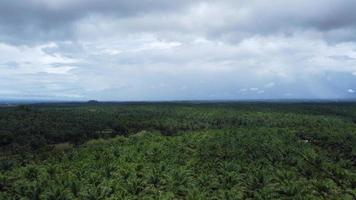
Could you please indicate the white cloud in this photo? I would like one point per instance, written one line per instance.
(59, 70)
(269, 85)
(351, 91)
(34, 59)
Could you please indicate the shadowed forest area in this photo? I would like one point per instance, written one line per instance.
(187, 150)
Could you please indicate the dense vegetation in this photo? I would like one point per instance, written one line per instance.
(178, 151)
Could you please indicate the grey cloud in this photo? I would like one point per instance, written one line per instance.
(41, 20)
(23, 22)
(334, 20)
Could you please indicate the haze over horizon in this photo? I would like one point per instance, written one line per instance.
(177, 50)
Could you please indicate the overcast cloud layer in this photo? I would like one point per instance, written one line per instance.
(175, 50)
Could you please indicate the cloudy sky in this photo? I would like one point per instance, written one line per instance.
(177, 50)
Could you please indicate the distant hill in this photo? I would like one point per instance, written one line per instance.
(93, 102)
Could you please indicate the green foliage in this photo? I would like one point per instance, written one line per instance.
(178, 151)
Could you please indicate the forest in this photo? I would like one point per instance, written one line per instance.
(178, 150)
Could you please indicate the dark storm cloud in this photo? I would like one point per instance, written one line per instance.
(41, 20)
(335, 20)
(320, 14)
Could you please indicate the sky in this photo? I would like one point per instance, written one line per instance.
(134, 50)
